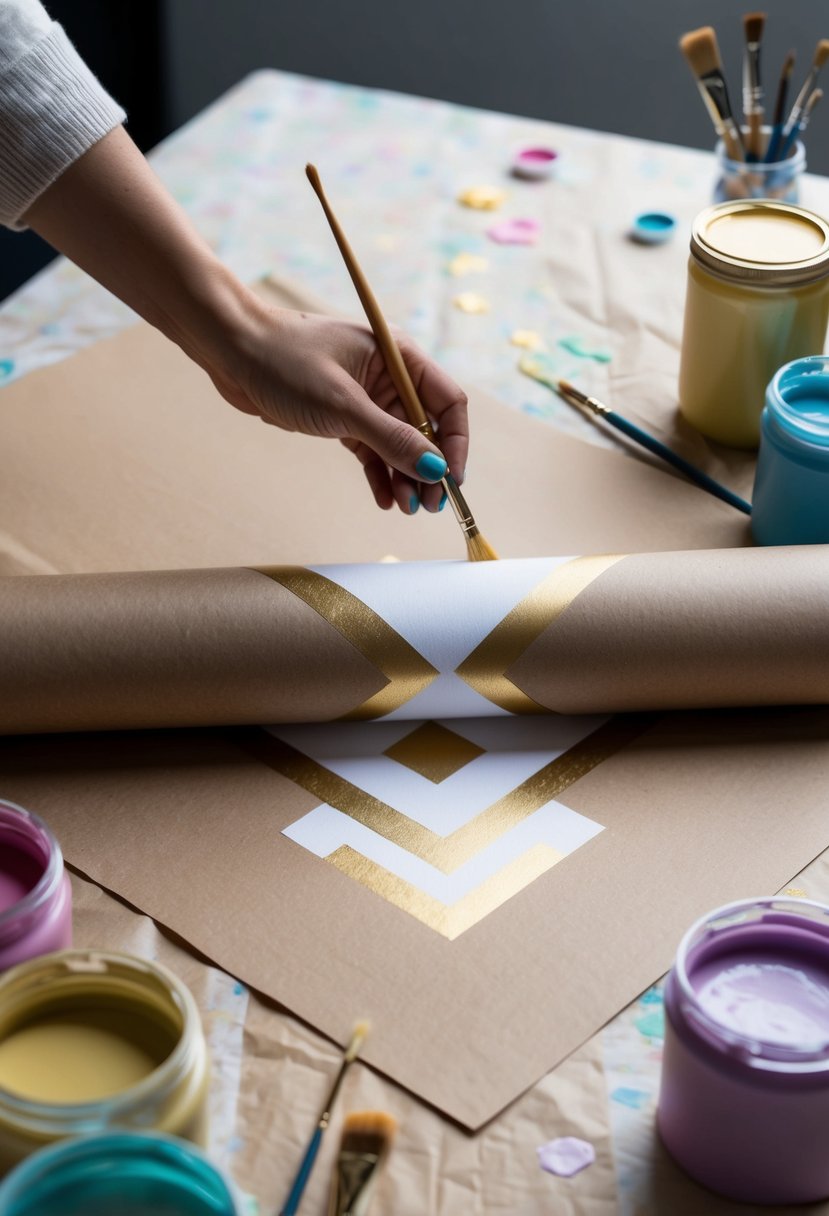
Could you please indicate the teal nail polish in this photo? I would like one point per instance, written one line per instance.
(431, 467)
(442, 503)
(414, 503)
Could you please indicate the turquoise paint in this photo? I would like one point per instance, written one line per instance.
(790, 503)
(652, 997)
(576, 346)
(651, 1025)
(634, 1098)
(6, 367)
(127, 1174)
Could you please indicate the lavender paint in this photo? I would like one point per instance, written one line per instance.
(744, 1098)
(35, 896)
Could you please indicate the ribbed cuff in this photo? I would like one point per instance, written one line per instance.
(52, 110)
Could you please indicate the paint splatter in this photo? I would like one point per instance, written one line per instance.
(6, 367)
(633, 1098)
(515, 232)
(540, 367)
(566, 1156)
(471, 302)
(651, 1025)
(652, 997)
(576, 346)
(528, 338)
(239, 989)
(467, 263)
(482, 198)
(796, 892)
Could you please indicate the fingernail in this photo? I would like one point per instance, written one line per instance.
(414, 503)
(442, 502)
(431, 467)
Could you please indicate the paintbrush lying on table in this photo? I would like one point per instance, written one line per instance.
(477, 547)
(574, 395)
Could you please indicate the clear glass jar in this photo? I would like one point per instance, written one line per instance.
(72, 1026)
(791, 485)
(757, 297)
(738, 179)
(127, 1174)
(744, 1096)
(35, 894)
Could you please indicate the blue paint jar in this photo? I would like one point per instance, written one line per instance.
(130, 1174)
(790, 504)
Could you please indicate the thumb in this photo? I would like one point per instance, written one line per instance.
(396, 442)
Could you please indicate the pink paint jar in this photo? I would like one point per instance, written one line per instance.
(744, 1099)
(35, 895)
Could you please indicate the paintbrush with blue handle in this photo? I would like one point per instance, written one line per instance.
(654, 445)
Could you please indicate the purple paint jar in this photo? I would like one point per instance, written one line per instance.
(744, 1099)
(35, 895)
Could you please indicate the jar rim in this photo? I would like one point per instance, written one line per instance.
(762, 1054)
(796, 374)
(47, 885)
(799, 272)
(161, 1081)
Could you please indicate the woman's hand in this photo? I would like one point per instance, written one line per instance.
(324, 377)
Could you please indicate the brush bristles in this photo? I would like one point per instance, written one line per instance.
(821, 53)
(358, 1035)
(700, 49)
(753, 25)
(478, 549)
(368, 1131)
(788, 65)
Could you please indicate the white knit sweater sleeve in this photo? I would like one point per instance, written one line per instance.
(52, 108)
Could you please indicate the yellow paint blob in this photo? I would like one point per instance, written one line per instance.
(467, 263)
(471, 302)
(482, 198)
(526, 338)
(82, 1055)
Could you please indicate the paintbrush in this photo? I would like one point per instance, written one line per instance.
(752, 87)
(791, 127)
(654, 445)
(366, 1140)
(291, 1205)
(477, 548)
(700, 49)
(780, 109)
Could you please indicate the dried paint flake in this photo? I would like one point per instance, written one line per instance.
(577, 346)
(470, 301)
(482, 198)
(515, 232)
(566, 1156)
(527, 338)
(467, 263)
(795, 892)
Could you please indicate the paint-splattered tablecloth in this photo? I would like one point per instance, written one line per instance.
(596, 308)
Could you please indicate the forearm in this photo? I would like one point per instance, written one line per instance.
(111, 215)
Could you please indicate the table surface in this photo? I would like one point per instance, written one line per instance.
(606, 312)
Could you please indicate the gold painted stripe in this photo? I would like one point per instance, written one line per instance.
(469, 910)
(485, 668)
(446, 853)
(407, 672)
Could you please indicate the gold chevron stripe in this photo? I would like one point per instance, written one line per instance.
(471, 908)
(407, 672)
(446, 853)
(485, 668)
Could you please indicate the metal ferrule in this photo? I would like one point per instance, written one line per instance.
(355, 1174)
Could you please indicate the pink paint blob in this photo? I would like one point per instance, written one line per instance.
(515, 232)
(566, 1156)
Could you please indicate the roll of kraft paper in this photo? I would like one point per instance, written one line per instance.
(686, 630)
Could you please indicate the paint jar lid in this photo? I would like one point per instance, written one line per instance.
(798, 400)
(653, 228)
(762, 243)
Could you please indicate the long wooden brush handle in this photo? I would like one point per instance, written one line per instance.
(388, 347)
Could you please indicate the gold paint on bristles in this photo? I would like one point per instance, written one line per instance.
(368, 1131)
(358, 1036)
(478, 549)
(701, 50)
(821, 53)
(753, 25)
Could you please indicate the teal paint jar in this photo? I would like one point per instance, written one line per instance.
(131, 1174)
(790, 504)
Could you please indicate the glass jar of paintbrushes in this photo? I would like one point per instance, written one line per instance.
(737, 179)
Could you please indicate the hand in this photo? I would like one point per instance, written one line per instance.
(324, 377)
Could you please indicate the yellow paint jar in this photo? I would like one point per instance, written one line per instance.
(757, 297)
(90, 1042)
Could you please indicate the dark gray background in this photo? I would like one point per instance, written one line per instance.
(606, 64)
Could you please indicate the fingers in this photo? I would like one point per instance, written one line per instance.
(443, 400)
(398, 444)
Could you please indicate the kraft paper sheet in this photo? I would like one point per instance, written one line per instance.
(123, 458)
(293, 644)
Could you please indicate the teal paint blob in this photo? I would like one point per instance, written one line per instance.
(576, 346)
(651, 1025)
(652, 997)
(634, 1098)
(128, 1174)
(6, 367)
